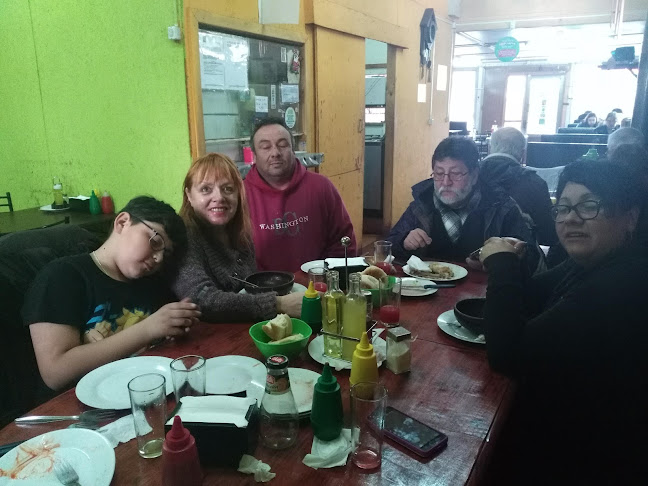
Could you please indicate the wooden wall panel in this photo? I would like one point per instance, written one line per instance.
(339, 102)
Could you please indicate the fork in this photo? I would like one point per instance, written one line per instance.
(89, 416)
(65, 473)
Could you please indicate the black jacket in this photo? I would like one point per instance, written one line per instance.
(501, 171)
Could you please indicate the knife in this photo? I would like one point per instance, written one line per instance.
(429, 286)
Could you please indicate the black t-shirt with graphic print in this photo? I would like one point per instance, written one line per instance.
(74, 291)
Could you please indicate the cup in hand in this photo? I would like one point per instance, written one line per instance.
(148, 403)
(390, 297)
(317, 275)
(368, 402)
(189, 375)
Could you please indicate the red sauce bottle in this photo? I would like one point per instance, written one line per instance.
(107, 205)
(180, 464)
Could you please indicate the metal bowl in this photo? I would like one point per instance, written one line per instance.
(280, 282)
(470, 314)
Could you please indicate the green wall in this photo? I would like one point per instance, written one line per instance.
(92, 92)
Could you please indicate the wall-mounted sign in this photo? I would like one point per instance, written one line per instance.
(290, 117)
(507, 49)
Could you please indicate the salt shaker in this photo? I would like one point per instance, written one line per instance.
(399, 351)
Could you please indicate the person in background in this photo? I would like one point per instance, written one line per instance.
(504, 168)
(215, 210)
(590, 121)
(87, 310)
(624, 136)
(454, 212)
(574, 343)
(297, 215)
(609, 125)
(626, 122)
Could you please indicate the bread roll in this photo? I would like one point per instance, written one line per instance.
(288, 339)
(368, 282)
(279, 327)
(375, 272)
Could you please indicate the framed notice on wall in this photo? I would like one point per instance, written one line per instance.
(223, 61)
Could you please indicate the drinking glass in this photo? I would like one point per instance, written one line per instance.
(390, 297)
(317, 275)
(189, 374)
(148, 403)
(368, 402)
(383, 255)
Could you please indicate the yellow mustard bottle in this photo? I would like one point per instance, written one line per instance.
(364, 367)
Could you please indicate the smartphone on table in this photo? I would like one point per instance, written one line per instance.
(412, 434)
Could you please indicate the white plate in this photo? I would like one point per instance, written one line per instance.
(316, 351)
(302, 384)
(459, 272)
(308, 265)
(87, 451)
(107, 386)
(49, 208)
(234, 374)
(418, 282)
(448, 323)
(295, 288)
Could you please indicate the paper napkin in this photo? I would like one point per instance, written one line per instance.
(330, 453)
(251, 465)
(121, 430)
(215, 409)
(415, 263)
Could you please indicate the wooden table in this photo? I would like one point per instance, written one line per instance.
(450, 387)
(32, 218)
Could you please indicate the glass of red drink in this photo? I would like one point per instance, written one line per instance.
(383, 255)
(390, 296)
(317, 275)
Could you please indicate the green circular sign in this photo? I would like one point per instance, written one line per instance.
(507, 49)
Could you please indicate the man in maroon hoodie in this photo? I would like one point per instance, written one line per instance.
(297, 215)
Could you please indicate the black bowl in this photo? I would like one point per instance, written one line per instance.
(470, 314)
(280, 282)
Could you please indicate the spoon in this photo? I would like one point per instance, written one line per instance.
(245, 282)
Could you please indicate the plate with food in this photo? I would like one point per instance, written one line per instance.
(438, 271)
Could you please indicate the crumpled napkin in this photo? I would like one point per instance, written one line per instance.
(415, 263)
(121, 430)
(330, 453)
(251, 465)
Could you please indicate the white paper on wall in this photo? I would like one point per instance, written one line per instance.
(223, 61)
(289, 93)
(278, 11)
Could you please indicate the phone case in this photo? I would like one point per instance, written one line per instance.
(438, 445)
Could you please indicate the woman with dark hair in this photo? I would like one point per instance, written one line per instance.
(575, 339)
(216, 213)
(590, 120)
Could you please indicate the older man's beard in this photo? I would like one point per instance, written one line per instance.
(460, 197)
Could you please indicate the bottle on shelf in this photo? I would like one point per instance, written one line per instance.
(332, 304)
(354, 316)
(279, 424)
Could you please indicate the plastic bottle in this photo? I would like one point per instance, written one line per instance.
(279, 419)
(57, 190)
(180, 464)
(94, 205)
(107, 205)
(326, 412)
(311, 311)
(332, 314)
(354, 316)
(364, 366)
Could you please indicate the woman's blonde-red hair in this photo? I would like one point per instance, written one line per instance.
(215, 166)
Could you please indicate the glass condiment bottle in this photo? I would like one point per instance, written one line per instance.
(57, 191)
(332, 304)
(354, 316)
(399, 350)
(279, 419)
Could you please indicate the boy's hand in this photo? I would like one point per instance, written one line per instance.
(172, 319)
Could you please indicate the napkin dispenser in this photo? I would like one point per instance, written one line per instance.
(79, 203)
(221, 444)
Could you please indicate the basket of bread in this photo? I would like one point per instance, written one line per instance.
(281, 335)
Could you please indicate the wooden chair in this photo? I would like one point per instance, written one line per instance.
(8, 204)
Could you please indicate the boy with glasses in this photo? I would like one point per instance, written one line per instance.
(82, 310)
(453, 213)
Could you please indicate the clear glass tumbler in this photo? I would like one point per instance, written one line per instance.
(148, 403)
(189, 374)
(368, 401)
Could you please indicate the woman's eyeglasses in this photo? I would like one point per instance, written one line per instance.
(584, 210)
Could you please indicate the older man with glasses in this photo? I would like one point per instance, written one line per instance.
(453, 213)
